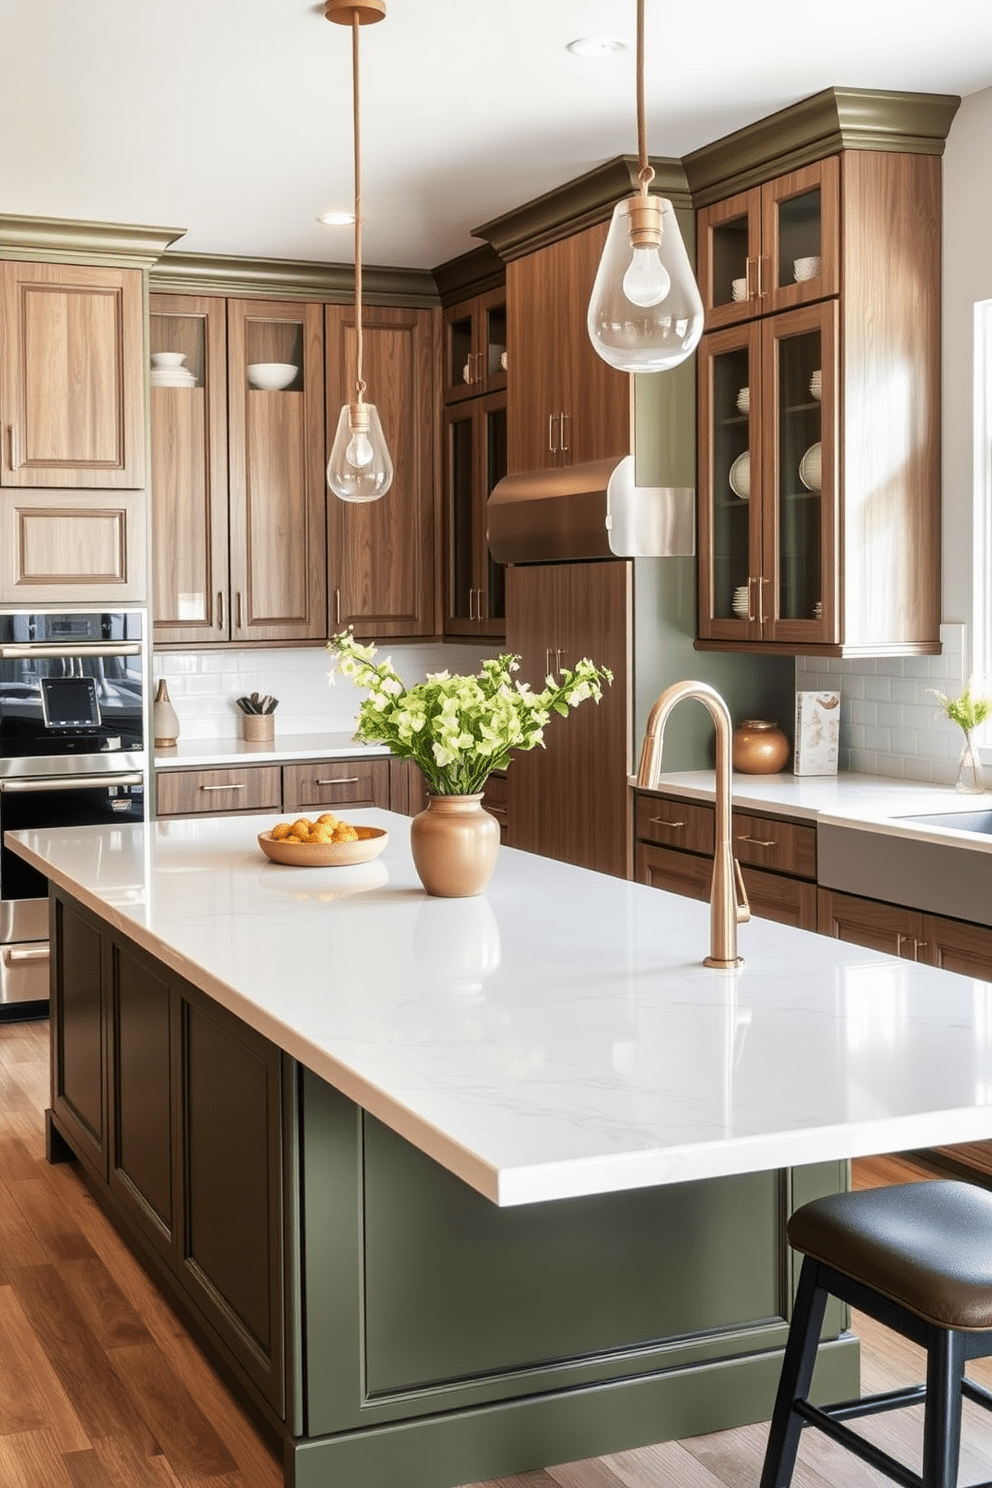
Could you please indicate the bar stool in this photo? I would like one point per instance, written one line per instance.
(918, 1258)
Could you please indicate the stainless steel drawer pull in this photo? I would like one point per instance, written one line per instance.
(46, 652)
(659, 821)
(758, 841)
(239, 785)
(340, 780)
(38, 784)
(13, 957)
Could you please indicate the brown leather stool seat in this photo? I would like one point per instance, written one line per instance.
(918, 1257)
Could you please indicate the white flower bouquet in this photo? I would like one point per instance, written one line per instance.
(459, 729)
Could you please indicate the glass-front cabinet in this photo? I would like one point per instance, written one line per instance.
(771, 248)
(768, 496)
(475, 460)
(474, 356)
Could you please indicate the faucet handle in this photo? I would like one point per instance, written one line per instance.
(743, 906)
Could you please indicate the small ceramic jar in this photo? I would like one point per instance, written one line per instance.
(759, 747)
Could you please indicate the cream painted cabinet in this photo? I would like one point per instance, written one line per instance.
(72, 451)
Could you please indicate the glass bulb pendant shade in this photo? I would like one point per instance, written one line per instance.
(645, 312)
(359, 468)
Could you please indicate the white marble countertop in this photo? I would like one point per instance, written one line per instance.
(204, 754)
(865, 802)
(558, 1035)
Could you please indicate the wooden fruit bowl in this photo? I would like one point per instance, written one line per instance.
(371, 841)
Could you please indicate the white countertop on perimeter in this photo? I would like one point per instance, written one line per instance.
(558, 1035)
(204, 754)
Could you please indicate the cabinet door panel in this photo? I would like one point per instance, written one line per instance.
(676, 872)
(192, 792)
(729, 234)
(534, 385)
(682, 825)
(957, 946)
(79, 1050)
(597, 398)
(787, 901)
(71, 546)
(231, 1260)
(868, 922)
(380, 554)
(801, 220)
(72, 387)
(278, 585)
(142, 1165)
(189, 473)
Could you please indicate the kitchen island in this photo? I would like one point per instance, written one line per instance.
(452, 1188)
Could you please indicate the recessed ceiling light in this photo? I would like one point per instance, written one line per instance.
(336, 219)
(596, 46)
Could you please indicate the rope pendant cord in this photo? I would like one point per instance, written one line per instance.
(355, 27)
(645, 172)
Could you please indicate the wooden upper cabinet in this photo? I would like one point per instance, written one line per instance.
(773, 247)
(276, 475)
(189, 472)
(381, 554)
(565, 404)
(72, 376)
(473, 346)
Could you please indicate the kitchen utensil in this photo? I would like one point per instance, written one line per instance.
(371, 841)
(740, 476)
(810, 468)
(271, 375)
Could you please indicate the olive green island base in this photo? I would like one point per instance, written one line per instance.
(382, 1323)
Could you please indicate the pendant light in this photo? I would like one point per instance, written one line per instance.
(645, 312)
(359, 468)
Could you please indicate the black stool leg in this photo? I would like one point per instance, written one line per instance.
(794, 1383)
(942, 1426)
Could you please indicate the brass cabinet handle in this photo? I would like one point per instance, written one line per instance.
(14, 461)
(339, 780)
(761, 277)
(552, 447)
(659, 821)
(565, 448)
(239, 785)
(337, 607)
(758, 841)
(747, 278)
(220, 609)
(750, 602)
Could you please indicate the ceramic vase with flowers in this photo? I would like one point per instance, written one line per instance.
(969, 713)
(458, 729)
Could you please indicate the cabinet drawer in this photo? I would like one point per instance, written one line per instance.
(332, 783)
(780, 845)
(679, 824)
(196, 792)
(676, 872)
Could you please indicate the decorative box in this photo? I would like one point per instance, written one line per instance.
(817, 733)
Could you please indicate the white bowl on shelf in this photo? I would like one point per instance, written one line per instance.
(744, 400)
(740, 476)
(168, 358)
(805, 268)
(810, 468)
(273, 376)
(816, 384)
(738, 288)
(741, 601)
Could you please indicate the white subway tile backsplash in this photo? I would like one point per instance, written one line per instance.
(203, 685)
(890, 722)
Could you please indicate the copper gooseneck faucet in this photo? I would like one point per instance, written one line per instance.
(728, 900)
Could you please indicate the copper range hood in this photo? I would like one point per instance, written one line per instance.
(589, 511)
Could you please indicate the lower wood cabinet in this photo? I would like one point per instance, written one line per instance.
(297, 787)
(934, 940)
(178, 1110)
(777, 857)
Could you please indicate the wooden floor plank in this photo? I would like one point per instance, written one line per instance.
(31, 1397)
(83, 1367)
(20, 1244)
(188, 1438)
(30, 1459)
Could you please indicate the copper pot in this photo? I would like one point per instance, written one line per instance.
(759, 747)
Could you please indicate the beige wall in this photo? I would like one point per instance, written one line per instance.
(967, 279)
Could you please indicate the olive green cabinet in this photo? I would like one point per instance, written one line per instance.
(176, 1108)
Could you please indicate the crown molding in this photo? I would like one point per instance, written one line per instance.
(578, 204)
(290, 279)
(823, 124)
(64, 239)
(470, 274)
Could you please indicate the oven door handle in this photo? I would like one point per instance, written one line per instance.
(42, 652)
(69, 782)
(15, 957)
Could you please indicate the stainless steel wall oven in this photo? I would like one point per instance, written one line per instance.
(72, 753)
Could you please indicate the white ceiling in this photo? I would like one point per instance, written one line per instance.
(232, 118)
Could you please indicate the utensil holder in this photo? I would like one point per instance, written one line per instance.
(260, 728)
